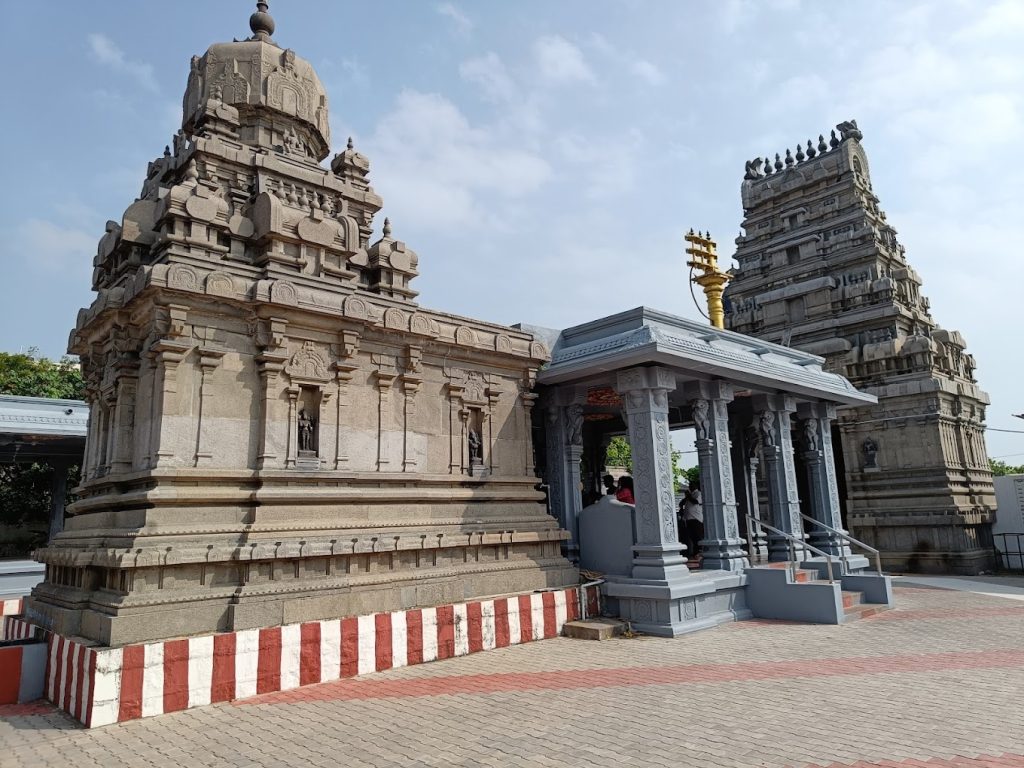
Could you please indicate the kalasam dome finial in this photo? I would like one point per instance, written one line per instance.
(261, 23)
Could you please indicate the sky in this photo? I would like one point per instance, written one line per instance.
(544, 159)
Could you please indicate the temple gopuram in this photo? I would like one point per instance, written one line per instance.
(819, 268)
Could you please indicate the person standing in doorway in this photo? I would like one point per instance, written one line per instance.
(693, 519)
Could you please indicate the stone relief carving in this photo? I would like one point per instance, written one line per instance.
(307, 363)
(870, 449)
(574, 424)
(220, 284)
(810, 434)
(475, 447)
(180, 276)
(356, 308)
(307, 432)
(700, 418)
(283, 292)
(766, 426)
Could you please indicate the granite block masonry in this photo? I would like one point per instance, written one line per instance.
(279, 433)
(820, 268)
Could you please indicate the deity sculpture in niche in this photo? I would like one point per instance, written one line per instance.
(307, 433)
(870, 448)
(476, 453)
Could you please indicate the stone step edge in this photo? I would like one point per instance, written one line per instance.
(102, 686)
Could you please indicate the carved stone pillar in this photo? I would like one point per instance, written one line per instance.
(819, 464)
(752, 446)
(383, 379)
(555, 469)
(657, 553)
(122, 429)
(529, 399)
(109, 399)
(269, 364)
(166, 356)
(493, 396)
(293, 427)
(722, 546)
(772, 414)
(209, 359)
(343, 376)
(456, 427)
(410, 386)
(89, 460)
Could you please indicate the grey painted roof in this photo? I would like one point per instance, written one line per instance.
(42, 416)
(644, 336)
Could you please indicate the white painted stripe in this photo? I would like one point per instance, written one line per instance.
(10, 607)
(515, 630)
(487, 624)
(330, 650)
(51, 680)
(153, 679)
(74, 681)
(291, 653)
(561, 611)
(461, 616)
(79, 709)
(399, 640)
(200, 670)
(367, 645)
(429, 634)
(247, 649)
(106, 687)
(64, 669)
(537, 615)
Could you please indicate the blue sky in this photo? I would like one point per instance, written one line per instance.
(545, 158)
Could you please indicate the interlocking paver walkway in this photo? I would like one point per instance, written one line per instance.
(938, 682)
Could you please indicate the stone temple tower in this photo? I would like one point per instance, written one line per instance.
(820, 269)
(278, 432)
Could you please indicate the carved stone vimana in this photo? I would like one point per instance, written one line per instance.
(278, 432)
(820, 268)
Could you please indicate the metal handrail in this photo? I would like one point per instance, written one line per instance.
(791, 541)
(848, 538)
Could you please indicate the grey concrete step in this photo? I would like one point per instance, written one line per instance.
(593, 629)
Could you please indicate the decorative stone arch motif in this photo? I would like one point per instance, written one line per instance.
(308, 364)
(396, 319)
(180, 276)
(465, 336)
(356, 308)
(283, 292)
(423, 325)
(538, 351)
(502, 343)
(220, 284)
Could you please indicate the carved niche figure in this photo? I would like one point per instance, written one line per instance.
(476, 454)
(810, 435)
(700, 418)
(766, 425)
(574, 424)
(870, 449)
(307, 432)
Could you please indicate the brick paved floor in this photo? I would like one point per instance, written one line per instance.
(937, 682)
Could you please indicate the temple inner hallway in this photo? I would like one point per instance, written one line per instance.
(934, 682)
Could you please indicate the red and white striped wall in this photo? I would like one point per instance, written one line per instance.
(15, 628)
(10, 607)
(22, 672)
(99, 686)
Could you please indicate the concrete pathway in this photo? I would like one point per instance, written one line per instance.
(1010, 587)
(935, 683)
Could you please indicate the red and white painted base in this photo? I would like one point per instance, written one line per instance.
(10, 607)
(16, 628)
(100, 686)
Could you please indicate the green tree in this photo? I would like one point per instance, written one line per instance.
(621, 455)
(25, 488)
(1000, 468)
(30, 375)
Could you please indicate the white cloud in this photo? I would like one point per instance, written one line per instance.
(648, 72)
(436, 170)
(463, 24)
(105, 51)
(60, 250)
(490, 74)
(560, 62)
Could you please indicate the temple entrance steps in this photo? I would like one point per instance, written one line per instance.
(804, 593)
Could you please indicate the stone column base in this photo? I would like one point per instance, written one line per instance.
(670, 609)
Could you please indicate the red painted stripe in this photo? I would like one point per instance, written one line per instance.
(222, 686)
(550, 620)
(268, 665)
(81, 686)
(382, 648)
(349, 647)
(90, 692)
(501, 632)
(309, 653)
(572, 604)
(133, 658)
(66, 674)
(445, 631)
(525, 619)
(475, 616)
(10, 674)
(175, 675)
(593, 602)
(414, 633)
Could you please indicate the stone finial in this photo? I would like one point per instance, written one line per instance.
(387, 227)
(833, 142)
(822, 146)
(768, 164)
(778, 162)
(811, 151)
(261, 23)
(800, 156)
(351, 144)
(789, 159)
